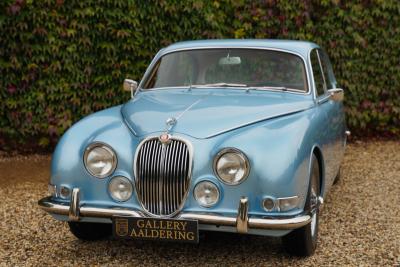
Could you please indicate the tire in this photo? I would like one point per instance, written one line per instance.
(337, 178)
(303, 241)
(90, 231)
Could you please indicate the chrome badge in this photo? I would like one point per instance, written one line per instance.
(165, 139)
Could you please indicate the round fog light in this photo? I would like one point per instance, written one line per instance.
(120, 188)
(206, 193)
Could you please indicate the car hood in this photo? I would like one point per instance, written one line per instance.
(203, 113)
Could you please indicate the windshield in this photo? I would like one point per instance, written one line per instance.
(248, 68)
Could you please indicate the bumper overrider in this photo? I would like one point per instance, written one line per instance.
(75, 211)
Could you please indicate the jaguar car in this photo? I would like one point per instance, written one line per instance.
(243, 136)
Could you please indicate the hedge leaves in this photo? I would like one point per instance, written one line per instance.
(61, 60)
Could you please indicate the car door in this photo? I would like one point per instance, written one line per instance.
(335, 115)
(323, 133)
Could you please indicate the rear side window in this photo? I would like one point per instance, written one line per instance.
(317, 72)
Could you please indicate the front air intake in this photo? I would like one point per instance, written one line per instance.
(162, 175)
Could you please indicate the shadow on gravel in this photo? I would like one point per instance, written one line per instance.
(213, 248)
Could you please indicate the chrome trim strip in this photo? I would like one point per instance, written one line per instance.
(323, 99)
(265, 223)
(314, 90)
(280, 224)
(322, 71)
(73, 212)
(174, 207)
(159, 55)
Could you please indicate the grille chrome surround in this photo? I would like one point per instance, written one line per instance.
(162, 175)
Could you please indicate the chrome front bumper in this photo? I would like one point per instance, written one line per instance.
(242, 221)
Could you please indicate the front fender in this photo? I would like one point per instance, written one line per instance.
(279, 152)
(67, 167)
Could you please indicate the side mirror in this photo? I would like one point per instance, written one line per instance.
(130, 86)
(336, 94)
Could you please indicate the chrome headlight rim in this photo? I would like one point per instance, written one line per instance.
(196, 197)
(124, 178)
(241, 154)
(107, 147)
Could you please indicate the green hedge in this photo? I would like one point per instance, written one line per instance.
(61, 60)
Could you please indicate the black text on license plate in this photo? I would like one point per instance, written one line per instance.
(156, 229)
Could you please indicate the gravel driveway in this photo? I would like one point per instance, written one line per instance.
(360, 223)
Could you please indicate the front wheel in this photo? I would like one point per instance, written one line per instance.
(90, 231)
(303, 241)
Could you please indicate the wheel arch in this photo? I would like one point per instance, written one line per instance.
(316, 150)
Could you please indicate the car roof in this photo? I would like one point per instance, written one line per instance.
(299, 47)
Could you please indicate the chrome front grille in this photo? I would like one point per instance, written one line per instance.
(162, 175)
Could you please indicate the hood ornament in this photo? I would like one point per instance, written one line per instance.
(169, 124)
(165, 138)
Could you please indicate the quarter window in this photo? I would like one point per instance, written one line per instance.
(327, 68)
(317, 72)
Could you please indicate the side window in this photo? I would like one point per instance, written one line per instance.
(327, 68)
(317, 72)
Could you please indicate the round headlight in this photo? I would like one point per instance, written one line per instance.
(231, 166)
(206, 193)
(100, 160)
(120, 188)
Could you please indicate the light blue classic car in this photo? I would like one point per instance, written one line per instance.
(241, 136)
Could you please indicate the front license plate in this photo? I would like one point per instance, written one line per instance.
(156, 229)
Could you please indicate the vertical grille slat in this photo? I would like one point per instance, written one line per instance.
(179, 167)
(145, 161)
(176, 172)
(147, 168)
(153, 175)
(162, 173)
(173, 173)
(169, 181)
(156, 178)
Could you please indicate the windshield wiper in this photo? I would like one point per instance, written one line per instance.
(219, 85)
(244, 86)
(280, 88)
